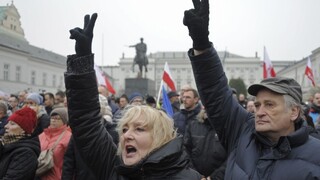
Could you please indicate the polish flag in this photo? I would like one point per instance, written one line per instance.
(309, 72)
(268, 70)
(167, 78)
(103, 80)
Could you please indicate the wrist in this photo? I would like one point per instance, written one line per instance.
(201, 43)
(80, 64)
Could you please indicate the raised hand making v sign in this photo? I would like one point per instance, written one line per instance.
(197, 21)
(84, 36)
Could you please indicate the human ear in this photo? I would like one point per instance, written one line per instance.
(295, 112)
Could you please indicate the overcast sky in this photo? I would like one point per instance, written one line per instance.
(290, 29)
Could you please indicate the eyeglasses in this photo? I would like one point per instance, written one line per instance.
(30, 103)
(55, 118)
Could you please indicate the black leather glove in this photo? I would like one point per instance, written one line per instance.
(197, 21)
(84, 36)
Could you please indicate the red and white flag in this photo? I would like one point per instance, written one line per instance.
(103, 80)
(309, 72)
(167, 78)
(268, 70)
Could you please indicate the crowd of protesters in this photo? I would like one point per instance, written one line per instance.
(214, 132)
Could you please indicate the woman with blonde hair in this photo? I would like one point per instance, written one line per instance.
(148, 148)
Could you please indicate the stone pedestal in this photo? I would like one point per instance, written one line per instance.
(141, 85)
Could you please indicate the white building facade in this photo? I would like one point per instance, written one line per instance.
(23, 66)
(249, 69)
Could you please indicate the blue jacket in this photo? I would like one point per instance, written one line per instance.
(251, 156)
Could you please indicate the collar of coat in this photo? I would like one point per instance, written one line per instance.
(283, 147)
(163, 162)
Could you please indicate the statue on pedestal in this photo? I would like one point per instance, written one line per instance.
(141, 57)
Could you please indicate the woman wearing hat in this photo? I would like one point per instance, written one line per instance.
(50, 138)
(35, 101)
(19, 151)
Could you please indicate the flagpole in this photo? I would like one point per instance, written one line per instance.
(102, 50)
(159, 93)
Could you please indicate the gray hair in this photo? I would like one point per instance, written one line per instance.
(291, 102)
(4, 107)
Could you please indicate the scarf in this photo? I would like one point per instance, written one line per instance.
(8, 139)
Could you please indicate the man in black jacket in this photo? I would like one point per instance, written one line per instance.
(191, 109)
(272, 145)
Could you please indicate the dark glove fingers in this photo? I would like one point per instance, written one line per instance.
(196, 4)
(75, 33)
(189, 16)
(92, 23)
(86, 21)
(204, 8)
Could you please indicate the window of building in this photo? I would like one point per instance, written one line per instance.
(33, 77)
(18, 73)
(178, 85)
(61, 81)
(54, 80)
(6, 69)
(44, 79)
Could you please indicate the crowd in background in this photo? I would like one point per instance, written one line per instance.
(201, 142)
(94, 135)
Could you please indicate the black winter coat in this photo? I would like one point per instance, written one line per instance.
(96, 145)
(43, 123)
(251, 156)
(184, 117)
(204, 149)
(19, 160)
(73, 166)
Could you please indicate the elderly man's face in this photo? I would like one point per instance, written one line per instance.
(273, 118)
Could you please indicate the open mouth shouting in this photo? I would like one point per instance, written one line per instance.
(130, 151)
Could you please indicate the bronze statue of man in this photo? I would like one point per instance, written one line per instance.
(141, 56)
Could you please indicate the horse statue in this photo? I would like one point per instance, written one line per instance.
(141, 58)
